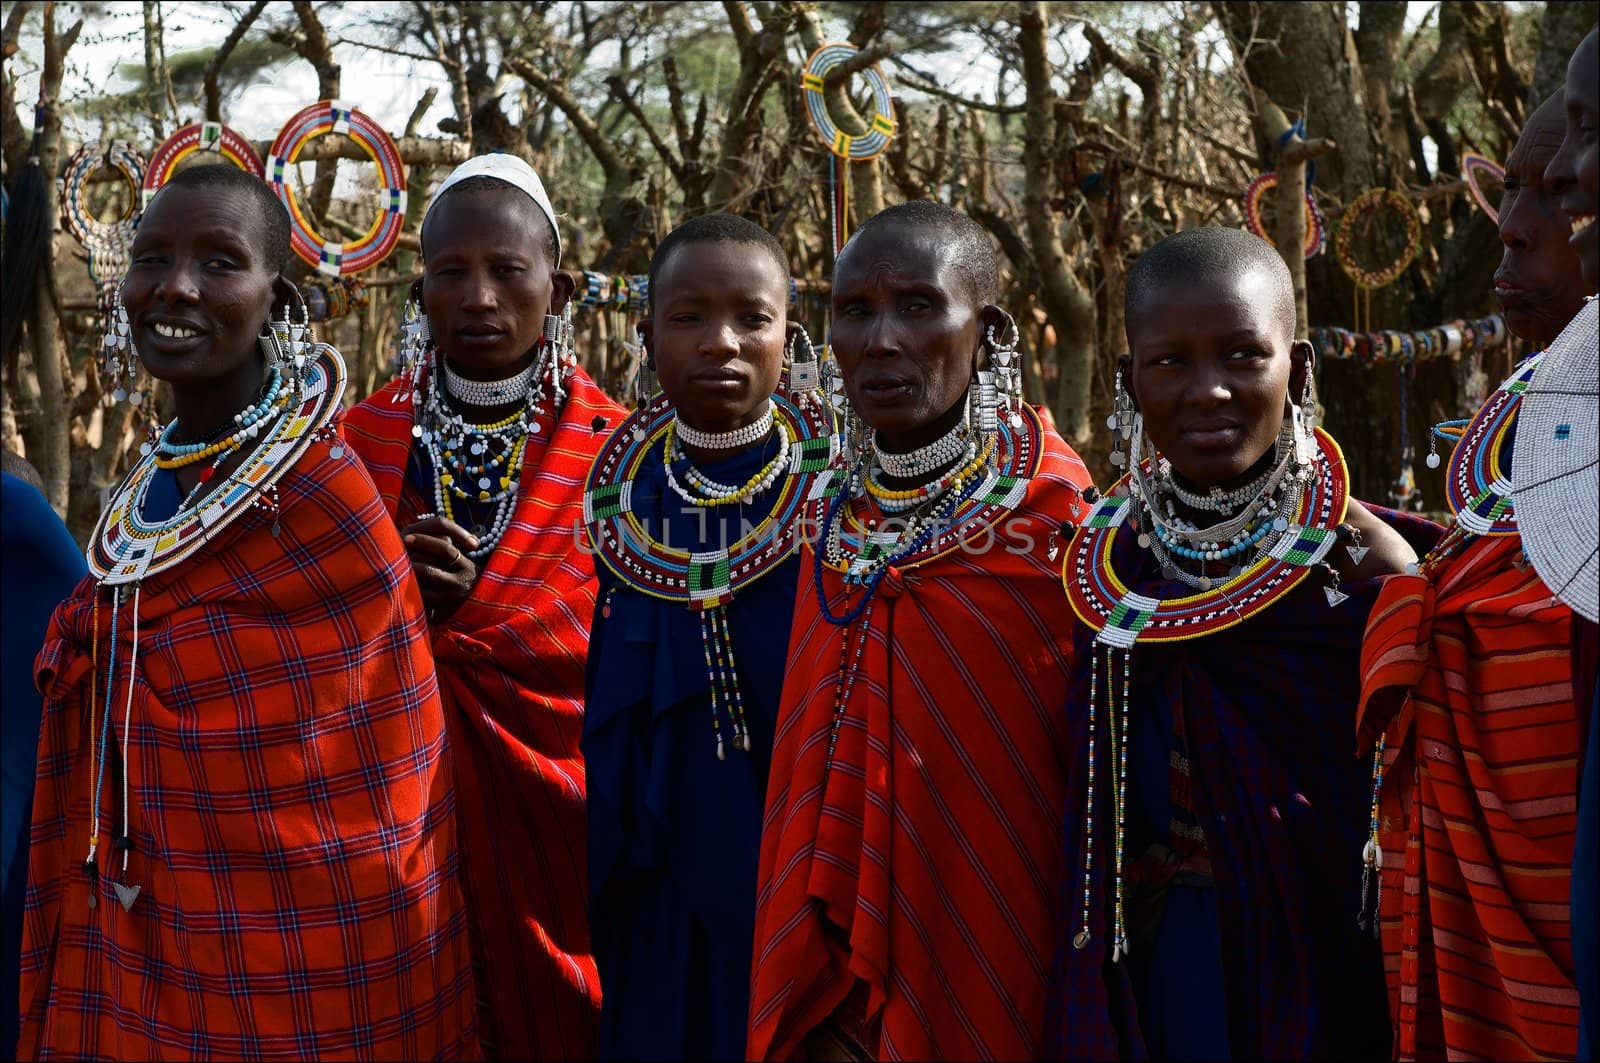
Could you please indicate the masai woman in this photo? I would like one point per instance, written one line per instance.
(909, 863)
(243, 844)
(692, 512)
(1468, 699)
(479, 449)
(1216, 816)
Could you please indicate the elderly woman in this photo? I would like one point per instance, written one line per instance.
(1469, 689)
(1216, 816)
(685, 671)
(242, 839)
(920, 710)
(479, 449)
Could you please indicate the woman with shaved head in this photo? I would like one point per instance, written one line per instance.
(908, 867)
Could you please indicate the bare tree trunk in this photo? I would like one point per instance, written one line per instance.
(1066, 300)
(154, 100)
(1561, 30)
(213, 90)
(54, 460)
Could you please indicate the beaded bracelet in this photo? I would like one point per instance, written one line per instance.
(1370, 202)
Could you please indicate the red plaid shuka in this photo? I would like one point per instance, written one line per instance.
(926, 863)
(511, 663)
(291, 813)
(1472, 674)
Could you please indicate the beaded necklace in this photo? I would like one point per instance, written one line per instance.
(707, 492)
(1287, 539)
(861, 549)
(482, 463)
(704, 581)
(739, 437)
(125, 548)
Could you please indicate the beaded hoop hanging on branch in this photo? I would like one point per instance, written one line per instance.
(1316, 227)
(1370, 280)
(102, 241)
(1472, 165)
(844, 148)
(328, 257)
(198, 136)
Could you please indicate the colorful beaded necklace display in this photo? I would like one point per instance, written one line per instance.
(125, 548)
(704, 582)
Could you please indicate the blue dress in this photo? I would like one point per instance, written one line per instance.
(42, 565)
(674, 833)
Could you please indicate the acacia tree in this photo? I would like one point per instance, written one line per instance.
(1105, 128)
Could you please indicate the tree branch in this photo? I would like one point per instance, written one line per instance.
(213, 88)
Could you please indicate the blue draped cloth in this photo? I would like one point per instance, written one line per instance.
(1247, 813)
(42, 564)
(674, 833)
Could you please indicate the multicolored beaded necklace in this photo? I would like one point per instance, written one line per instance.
(125, 548)
(704, 582)
(1300, 516)
(482, 463)
(863, 539)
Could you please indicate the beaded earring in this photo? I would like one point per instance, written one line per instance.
(1006, 364)
(119, 366)
(416, 337)
(288, 343)
(644, 378)
(1124, 423)
(853, 431)
(805, 373)
(1304, 419)
(983, 401)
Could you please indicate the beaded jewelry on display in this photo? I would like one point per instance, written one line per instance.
(705, 581)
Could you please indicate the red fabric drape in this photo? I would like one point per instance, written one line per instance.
(1471, 674)
(511, 668)
(290, 805)
(926, 863)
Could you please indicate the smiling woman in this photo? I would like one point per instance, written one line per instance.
(276, 704)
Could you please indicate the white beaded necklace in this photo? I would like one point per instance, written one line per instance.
(487, 392)
(739, 437)
(919, 463)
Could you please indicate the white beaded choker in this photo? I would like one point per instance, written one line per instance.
(919, 463)
(753, 432)
(487, 392)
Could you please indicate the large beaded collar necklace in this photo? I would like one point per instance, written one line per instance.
(126, 548)
(1272, 544)
(1478, 482)
(704, 582)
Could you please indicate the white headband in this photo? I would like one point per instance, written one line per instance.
(514, 172)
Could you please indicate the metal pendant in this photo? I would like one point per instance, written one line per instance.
(1335, 596)
(126, 894)
(1357, 553)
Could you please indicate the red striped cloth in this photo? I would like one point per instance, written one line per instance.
(1479, 807)
(510, 666)
(927, 865)
(290, 806)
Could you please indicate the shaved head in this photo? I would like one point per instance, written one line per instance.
(1201, 257)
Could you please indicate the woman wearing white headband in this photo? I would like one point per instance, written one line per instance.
(480, 447)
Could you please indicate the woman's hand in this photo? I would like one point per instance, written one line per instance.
(445, 574)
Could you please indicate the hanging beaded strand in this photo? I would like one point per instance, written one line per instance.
(1120, 743)
(717, 641)
(89, 865)
(1372, 852)
(845, 680)
(126, 894)
(1082, 938)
